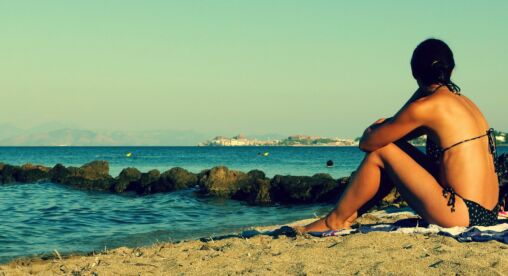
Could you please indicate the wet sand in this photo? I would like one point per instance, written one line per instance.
(375, 253)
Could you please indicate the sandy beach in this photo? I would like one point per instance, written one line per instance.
(376, 253)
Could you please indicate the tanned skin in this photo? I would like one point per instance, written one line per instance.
(446, 118)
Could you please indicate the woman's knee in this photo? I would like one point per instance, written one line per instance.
(374, 157)
(380, 154)
(384, 150)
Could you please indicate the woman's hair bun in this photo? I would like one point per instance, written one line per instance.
(440, 72)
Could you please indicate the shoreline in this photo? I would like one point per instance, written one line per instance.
(375, 253)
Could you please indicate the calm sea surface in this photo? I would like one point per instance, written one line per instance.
(39, 218)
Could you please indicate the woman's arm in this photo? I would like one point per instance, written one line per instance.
(414, 134)
(408, 119)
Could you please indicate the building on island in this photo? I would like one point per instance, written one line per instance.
(295, 140)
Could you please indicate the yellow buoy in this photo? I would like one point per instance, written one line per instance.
(129, 154)
(266, 154)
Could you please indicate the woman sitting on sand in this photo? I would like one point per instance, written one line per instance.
(455, 183)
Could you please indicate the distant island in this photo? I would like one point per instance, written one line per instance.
(295, 140)
(305, 140)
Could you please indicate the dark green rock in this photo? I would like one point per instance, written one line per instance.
(143, 186)
(305, 189)
(220, 181)
(95, 170)
(174, 179)
(91, 176)
(8, 173)
(254, 189)
(126, 177)
(32, 173)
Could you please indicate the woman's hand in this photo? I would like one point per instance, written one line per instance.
(385, 131)
(375, 125)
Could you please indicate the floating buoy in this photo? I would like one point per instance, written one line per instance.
(329, 163)
(129, 154)
(266, 154)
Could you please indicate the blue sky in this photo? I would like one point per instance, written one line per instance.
(325, 68)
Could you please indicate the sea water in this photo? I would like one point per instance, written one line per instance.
(39, 218)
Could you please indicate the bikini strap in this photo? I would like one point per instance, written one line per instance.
(467, 140)
(455, 89)
(493, 151)
(451, 200)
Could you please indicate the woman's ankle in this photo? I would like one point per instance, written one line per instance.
(335, 223)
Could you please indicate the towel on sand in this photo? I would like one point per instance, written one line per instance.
(497, 232)
(413, 225)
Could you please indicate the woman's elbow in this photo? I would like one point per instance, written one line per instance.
(364, 146)
(367, 147)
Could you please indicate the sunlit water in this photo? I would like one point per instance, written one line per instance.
(280, 160)
(39, 218)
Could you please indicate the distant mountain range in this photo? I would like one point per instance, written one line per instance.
(77, 137)
(52, 134)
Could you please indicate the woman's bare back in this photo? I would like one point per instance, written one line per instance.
(468, 168)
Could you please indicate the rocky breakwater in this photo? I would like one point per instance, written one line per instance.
(91, 176)
(252, 187)
(27, 173)
(255, 188)
(95, 176)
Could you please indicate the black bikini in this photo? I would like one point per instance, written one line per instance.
(478, 215)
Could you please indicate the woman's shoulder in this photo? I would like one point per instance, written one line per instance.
(445, 102)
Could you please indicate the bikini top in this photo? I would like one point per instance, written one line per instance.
(436, 152)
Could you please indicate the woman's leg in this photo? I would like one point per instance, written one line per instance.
(366, 187)
(411, 173)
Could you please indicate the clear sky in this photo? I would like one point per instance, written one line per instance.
(325, 68)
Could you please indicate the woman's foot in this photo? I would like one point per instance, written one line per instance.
(319, 225)
(326, 224)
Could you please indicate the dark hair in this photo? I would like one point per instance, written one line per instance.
(432, 62)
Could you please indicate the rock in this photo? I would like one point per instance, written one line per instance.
(126, 177)
(91, 176)
(174, 179)
(255, 189)
(256, 174)
(8, 173)
(32, 173)
(149, 177)
(143, 186)
(393, 198)
(305, 189)
(95, 170)
(220, 181)
(58, 173)
(263, 192)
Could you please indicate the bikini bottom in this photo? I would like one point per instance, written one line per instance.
(478, 215)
